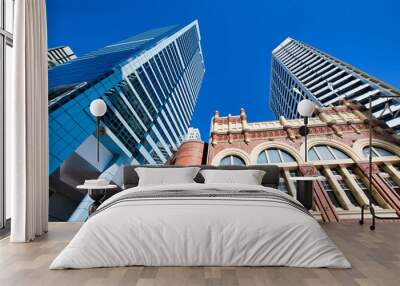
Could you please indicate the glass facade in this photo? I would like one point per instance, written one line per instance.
(59, 55)
(150, 83)
(301, 71)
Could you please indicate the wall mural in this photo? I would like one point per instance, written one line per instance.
(130, 102)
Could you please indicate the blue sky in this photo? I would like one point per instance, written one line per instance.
(238, 37)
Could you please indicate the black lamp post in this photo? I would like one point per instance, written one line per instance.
(370, 205)
(305, 184)
(98, 108)
(305, 108)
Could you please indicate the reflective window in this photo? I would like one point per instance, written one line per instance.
(362, 186)
(116, 99)
(345, 187)
(389, 180)
(273, 155)
(159, 77)
(324, 152)
(149, 87)
(117, 127)
(377, 152)
(153, 79)
(335, 172)
(312, 155)
(331, 194)
(163, 72)
(393, 184)
(232, 160)
(339, 154)
(142, 95)
(134, 102)
(172, 121)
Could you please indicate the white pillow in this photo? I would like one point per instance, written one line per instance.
(248, 177)
(166, 176)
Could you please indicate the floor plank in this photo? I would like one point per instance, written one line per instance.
(375, 257)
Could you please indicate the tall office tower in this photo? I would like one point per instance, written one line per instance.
(60, 55)
(150, 83)
(193, 134)
(299, 68)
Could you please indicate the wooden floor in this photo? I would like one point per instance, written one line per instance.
(375, 257)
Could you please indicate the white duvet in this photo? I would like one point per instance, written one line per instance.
(188, 231)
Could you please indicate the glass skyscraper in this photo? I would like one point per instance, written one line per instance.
(60, 55)
(300, 68)
(150, 83)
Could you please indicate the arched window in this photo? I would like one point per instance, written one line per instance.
(231, 160)
(377, 152)
(389, 179)
(324, 152)
(274, 155)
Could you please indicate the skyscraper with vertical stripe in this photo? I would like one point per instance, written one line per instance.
(60, 55)
(300, 68)
(150, 83)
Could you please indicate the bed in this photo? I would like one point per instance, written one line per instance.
(201, 224)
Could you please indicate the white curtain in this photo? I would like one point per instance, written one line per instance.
(27, 124)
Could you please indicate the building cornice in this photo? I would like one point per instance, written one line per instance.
(329, 121)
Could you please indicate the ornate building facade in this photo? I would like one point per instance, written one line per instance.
(337, 152)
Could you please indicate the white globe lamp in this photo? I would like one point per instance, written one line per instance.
(98, 108)
(306, 107)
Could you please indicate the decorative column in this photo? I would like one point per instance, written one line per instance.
(393, 172)
(214, 128)
(381, 186)
(243, 119)
(321, 199)
(355, 189)
(342, 197)
(360, 115)
(354, 128)
(332, 124)
(230, 139)
(289, 130)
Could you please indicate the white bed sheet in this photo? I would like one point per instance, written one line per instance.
(192, 231)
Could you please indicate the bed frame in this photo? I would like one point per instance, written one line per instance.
(270, 179)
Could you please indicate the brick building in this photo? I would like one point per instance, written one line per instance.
(337, 151)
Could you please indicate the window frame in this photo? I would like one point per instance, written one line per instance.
(6, 40)
(330, 150)
(375, 152)
(362, 186)
(328, 188)
(280, 154)
(231, 160)
(388, 179)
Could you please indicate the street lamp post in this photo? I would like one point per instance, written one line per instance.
(305, 108)
(304, 190)
(370, 205)
(98, 108)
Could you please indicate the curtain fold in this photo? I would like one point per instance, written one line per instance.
(27, 123)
